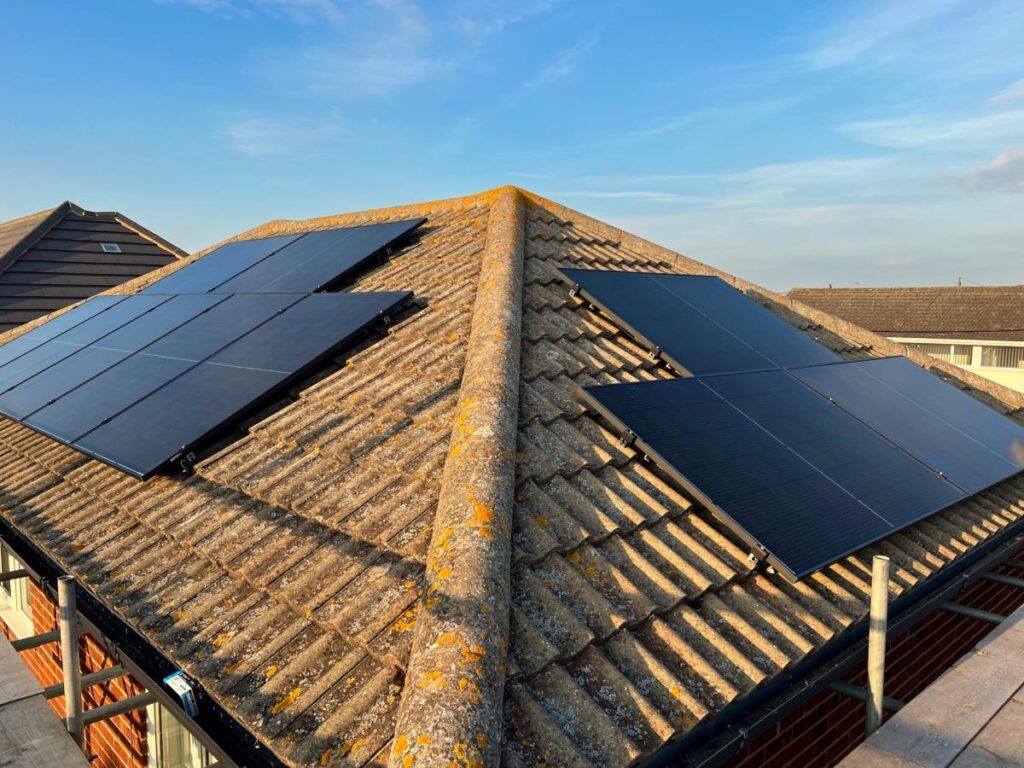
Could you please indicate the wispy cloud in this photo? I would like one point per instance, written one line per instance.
(1013, 93)
(720, 112)
(300, 11)
(480, 19)
(565, 63)
(879, 24)
(1004, 174)
(265, 136)
(644, 196)
(939, 131)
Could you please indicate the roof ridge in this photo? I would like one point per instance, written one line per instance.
(451, 707)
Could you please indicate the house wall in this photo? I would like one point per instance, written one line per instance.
(1011, 375)
(119, 742)
(827, 727)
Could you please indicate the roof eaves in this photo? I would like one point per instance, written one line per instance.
(451, 708)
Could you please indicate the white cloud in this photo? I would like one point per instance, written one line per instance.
(1004, 174)
(565, 63)
(939, 131)
(879, 24)
(645, 196)
(264, 136)
(483, 18)
(300, 11)
(1014, 92)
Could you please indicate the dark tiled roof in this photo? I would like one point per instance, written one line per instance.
(53, 259)
(345, 573)
(993, 312)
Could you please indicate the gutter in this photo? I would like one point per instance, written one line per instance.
(714, 743)
(219, 731)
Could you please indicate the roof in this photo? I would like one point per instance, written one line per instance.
(346, 573)
(992, 312)
(54, 258)
(971, 716)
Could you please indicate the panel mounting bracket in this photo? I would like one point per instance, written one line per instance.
(626, 438)
(655, 353)
(574, 291)
(187, 460)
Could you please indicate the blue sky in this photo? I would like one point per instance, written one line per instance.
(793, 144)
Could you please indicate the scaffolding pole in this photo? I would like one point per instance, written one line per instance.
(69, 657)
(877, 628)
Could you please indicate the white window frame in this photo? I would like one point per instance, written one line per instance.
(15, 596)
(975, 344)
(170, 744)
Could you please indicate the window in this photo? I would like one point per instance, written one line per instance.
(957, 354)
(170, 743)
(15, 596)
(110, 247)
(1002, 357)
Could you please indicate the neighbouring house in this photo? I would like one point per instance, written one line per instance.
(60, 256)
(427, 552)
(980, 328)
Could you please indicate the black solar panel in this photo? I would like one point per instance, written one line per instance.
(953, 433)
(206, 273)
(196, 404)
(700, 325)
(300, 263)
(318, 259)
(55, 327)
(71, 340)
(798, 478)
(143, 379)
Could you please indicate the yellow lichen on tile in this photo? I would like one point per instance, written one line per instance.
(433, 681)
(281, 703)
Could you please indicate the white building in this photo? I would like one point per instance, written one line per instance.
(980, 328)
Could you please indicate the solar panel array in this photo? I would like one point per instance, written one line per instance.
(698, 324)
(139, 381)
(806, 461)
(301, 263)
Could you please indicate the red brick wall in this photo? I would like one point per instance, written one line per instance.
(822, 731)
(119, 742)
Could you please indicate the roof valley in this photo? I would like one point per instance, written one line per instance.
(451, 706)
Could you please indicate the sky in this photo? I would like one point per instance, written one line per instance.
(791, 143)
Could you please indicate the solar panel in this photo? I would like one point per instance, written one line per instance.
(300, 263)
(700, 325)
(799, 479)
(953, 433)
(207, 272)
(188, 409)
(318, 259)
(55, 327)
(148, 376)
(70, 341)
(84, 363)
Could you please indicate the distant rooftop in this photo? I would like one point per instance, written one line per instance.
(57, 257)
(993, 313)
